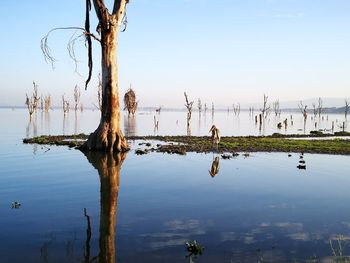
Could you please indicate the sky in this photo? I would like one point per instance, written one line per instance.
(224, 51)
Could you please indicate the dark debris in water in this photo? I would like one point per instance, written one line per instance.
(16, 205)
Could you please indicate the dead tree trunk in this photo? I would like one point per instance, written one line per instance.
(76, 97)
(188, 106)
(346, 108)
(108, 136)
(130, 102)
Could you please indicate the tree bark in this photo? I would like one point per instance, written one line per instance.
(108, 136)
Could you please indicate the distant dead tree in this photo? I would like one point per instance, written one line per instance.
(76, 97)
(199, 105)
(130, 102)
(99, 93)
(276, 107)
(30, 105)
(81, 107)
(236, 109)
(65, 105)
(314, 109)
(251, 111)
(41, 103)
(212, 108)
(303, 110)
(47, 102)
(32, 101)
(346, 108)
(320, 107)
(188, 106)
(266, 108)
(158, 110)
(205, 108)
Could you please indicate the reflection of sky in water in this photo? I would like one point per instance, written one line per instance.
(260, 206)
(259, 203)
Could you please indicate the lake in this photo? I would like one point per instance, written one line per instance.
(144, 208)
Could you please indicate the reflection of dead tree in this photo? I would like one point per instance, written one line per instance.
(346, 108)
(188, 106)
(47, 102)
(81, 107)
(320, 107)
(76, 97)
(199, 105)
(108, 166)
(215, 166)
(266, 108)
(276, 107)
(65, 105)
(236, 109)
(130, 102)
(303, 110)
(88, 237)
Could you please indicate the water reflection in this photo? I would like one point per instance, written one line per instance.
(215, 166)
(32, 130)
(108, 167)
(129, 125)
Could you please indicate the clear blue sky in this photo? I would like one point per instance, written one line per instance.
(222, 51)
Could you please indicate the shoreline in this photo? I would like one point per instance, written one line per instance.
(330, 143)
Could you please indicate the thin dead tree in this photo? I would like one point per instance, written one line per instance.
(199, 105)
(30, 105)
(65, 105)
(130, 102)
(276, 107)
(236, 109)
(314, 109)
(32, 101)
(76, 97)
(320, 107)
(41, 103)
(35, 96)
(47, 103)
(303, 110)
(266, 108)
(188, 105)
(346, 108)
(205, 108)
(108, 135)
(99, 94)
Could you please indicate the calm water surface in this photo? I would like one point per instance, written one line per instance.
(143, 208)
